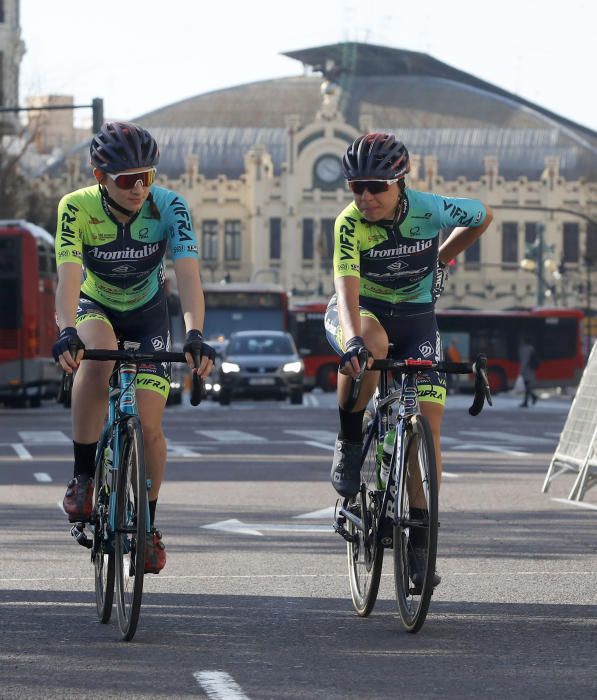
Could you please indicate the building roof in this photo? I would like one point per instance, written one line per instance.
(434, 108)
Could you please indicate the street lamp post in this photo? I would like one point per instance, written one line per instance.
(536, 262)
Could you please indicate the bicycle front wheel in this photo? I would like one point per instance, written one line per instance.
(102, 553)
(365, 553)
(131, 524)
(415, 532)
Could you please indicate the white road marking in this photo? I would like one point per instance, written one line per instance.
(322, 514)
(43, 436)
(511, 438)
(326, 436)
(231, 436)
(182, 450)
(578, 504)
(488, 448)
(21, 450)
(219, 685)
(321, 445)
(257, 529)
(42, 476)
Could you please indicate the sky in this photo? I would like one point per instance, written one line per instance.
(140, 56)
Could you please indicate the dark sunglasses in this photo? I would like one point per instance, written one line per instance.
(372, 186)
(126, 181)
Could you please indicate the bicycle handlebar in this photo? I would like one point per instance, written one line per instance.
(478, 368)
(135, 357)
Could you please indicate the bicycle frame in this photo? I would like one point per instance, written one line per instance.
(408, 404)
(408, 400)
(122, 402)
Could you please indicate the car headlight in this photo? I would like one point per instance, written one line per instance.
(228, 367)
(292, 367)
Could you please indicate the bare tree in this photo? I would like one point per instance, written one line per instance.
(20, 198)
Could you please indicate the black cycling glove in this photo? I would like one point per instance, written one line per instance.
(68, 340)
(196, 345)
(354, 347)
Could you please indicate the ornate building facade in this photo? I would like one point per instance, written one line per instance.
(263, 179)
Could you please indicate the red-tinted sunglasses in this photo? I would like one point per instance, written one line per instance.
(372, 186)
(126, 181)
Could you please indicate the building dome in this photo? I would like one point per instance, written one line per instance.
(434, 108)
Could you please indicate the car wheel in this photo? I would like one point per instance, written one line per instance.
(327, 377)
(296, 397)
(224, 398)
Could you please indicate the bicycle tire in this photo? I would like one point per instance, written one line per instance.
(103, 545)
(365, 554)
(413, 600)
(131, 524)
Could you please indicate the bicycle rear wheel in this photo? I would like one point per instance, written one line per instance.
(102, 552)
(415, 533)
(131, 524)
(365, 554)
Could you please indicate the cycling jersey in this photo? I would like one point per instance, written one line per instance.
(123, 262)
(397, 262)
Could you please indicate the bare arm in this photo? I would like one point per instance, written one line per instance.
(461, 238)
(67, 294)
(192, 303)
(190, 291)
(347, 290)
(67, 299)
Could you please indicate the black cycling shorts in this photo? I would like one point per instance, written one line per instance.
(412, 334)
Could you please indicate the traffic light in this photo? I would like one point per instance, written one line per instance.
(97, 105)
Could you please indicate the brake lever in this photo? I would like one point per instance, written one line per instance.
(197, 386)
(356, 385)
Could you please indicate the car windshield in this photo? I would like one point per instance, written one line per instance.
(262, 345)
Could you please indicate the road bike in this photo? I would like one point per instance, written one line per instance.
(120, 521)
(401, 513)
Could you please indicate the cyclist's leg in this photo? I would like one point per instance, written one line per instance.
(90, 387)
(151, 410)
(88, 408)
(434, 412)
(347, 455)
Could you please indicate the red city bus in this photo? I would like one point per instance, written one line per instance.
(321, 362)
(27, 323)
(557, 335)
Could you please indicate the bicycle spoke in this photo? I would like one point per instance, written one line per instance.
(102, 550)
(131, 515)
(415, 535)
(365, 558)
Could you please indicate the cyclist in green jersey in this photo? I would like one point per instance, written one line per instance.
(110, 244)
(388, 270)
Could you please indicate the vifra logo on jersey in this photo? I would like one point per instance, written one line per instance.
(426, 349)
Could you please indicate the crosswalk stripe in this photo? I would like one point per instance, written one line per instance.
(231, 436)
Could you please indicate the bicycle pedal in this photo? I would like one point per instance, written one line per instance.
(78, 532)
(343, 532)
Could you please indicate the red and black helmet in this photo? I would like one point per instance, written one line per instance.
(122, 146)
(376, 156)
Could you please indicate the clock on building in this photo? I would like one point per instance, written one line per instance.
(328, 172)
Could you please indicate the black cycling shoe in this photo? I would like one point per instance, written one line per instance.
(346, 468)
(416, 565)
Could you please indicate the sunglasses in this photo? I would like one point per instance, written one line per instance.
(372, 186)
(126, 181)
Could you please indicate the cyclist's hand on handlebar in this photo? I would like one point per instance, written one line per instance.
(349, 362)
(68, 349)
(196, 347)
